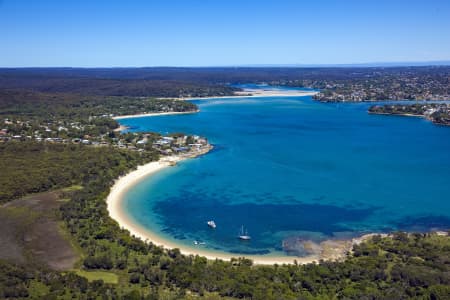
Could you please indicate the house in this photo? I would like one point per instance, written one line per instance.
(161, 142)
(196, 145)
(181, 140)
(167, 139)
(180, 149)
(166, 152)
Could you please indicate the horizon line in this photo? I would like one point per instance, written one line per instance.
(294, 65)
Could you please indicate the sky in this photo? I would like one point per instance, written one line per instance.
(133, 33)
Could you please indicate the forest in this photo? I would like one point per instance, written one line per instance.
(30, 105)
(356, 83)
(402, 266)
(113, 264)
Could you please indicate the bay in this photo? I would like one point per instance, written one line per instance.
(292, 167)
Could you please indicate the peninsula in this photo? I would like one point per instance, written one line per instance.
(438, 113)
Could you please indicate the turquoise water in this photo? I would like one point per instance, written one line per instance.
(291, 167)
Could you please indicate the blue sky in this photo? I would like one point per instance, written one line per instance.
(221, 33)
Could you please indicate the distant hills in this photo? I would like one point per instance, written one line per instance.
(294, 65)
(356, 65)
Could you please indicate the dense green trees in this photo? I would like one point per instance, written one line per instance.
(400, 267)
(60, 108)
(111, 82)
(404, 266)
(29, 167)
(336, 84)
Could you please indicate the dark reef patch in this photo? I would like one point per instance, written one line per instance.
(259, 218)
(423, 223)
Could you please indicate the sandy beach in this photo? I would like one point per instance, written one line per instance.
(331, 249)
(155, 114)
(255, 93)
(123, 184)
(274, 93)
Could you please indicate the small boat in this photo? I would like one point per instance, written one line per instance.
(211, 224)
(244, 235)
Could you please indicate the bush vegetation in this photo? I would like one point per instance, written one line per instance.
(399, 267)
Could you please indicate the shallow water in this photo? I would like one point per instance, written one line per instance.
(285, 167)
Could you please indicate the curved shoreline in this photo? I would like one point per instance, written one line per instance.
(123, 184)
(336, 249)
(114, 206)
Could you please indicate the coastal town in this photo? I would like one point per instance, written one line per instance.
(225, 150)
(91, 121)
(438, 113)
(360, 84)
(76, 133)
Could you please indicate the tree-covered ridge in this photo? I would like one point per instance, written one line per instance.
(110, 84)
(399, 267)
(29, 167)
(28, 105)
(336, 84)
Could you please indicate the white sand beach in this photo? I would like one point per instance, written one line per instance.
(274, 93)
(333, 250)
(123, 184)
(257, 93)
(155, 114)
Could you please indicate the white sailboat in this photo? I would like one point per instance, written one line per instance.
(243, 235)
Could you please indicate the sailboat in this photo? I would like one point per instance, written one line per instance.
(244, 235)
(211, 224)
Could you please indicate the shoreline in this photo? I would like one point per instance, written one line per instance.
(114, 206)
(408, 115)
(250, 93)
(331, 249)
(154, 114)
(253, 93)
(121, 128)
(400, 115)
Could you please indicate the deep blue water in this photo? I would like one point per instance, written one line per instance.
(286, 167)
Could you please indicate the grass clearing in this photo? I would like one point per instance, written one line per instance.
(72, 188)
(107, 277)
(31, 232)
